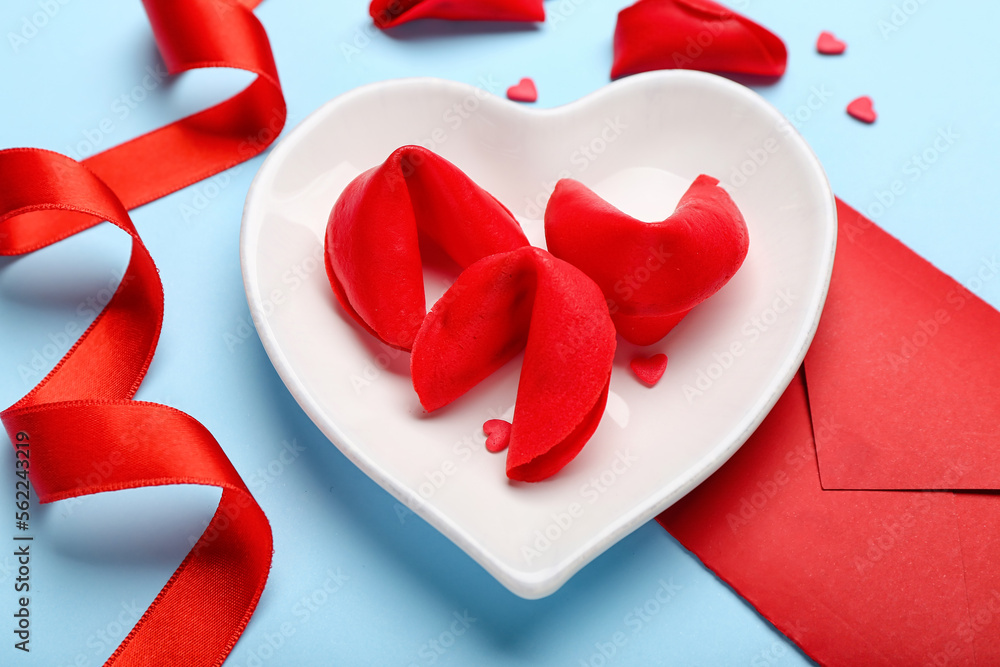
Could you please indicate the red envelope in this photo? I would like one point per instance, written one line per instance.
(827, 520)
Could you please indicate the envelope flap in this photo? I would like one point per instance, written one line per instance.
(904, 372)
(854, 577)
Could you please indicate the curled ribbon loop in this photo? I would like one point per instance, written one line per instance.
(190, 34)
(82, 414)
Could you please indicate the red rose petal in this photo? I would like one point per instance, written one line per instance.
(863, 109)
(373, 236)
(694, 34)
(524, 91)
(497, 435)
(390, 13)
(523, 300)
(829, 45)
(651, 273)
(649, 370)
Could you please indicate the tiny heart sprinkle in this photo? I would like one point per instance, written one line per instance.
(649, 370)
(829, 45)
(497, 435)
(524, 91)
(863, 109)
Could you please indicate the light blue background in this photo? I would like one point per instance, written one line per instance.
(96, 557)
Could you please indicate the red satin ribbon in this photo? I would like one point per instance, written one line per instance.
(81, 418)
(190, 34)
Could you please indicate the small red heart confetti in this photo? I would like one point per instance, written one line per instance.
(829, 45)
(524, 91)
(650, 370)
(863, 109)
(497, 435)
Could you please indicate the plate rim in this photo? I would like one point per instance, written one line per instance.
(539, 584)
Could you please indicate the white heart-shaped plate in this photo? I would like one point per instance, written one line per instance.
(638, 142)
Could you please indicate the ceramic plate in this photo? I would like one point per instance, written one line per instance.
(638, 142)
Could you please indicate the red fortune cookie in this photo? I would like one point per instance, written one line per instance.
(376, 227)
(694, 34)
(390, 13)
(652, 274)
(527, 300)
